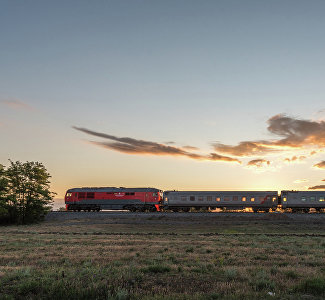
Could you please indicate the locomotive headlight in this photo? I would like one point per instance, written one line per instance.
(284, 199)
(166, 200)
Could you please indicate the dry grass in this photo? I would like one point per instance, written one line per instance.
(123, 261)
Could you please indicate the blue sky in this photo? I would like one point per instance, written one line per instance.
(191, 72)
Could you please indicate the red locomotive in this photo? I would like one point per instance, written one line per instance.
(96, 199)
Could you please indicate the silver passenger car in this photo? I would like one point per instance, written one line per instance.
(210, 200)
(303, 200)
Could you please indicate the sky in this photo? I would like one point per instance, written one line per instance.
(186, 95)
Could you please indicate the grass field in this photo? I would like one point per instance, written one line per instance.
(74, 259)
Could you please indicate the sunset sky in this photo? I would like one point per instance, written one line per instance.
(200, 95)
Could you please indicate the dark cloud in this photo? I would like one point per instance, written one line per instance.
(320, 165)
(293, 133)
(259, 163)
(295, 158)
(244, 148)
(317, 187)
(218, 157)
(134, 146)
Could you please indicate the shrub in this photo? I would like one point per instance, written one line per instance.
(314, 286)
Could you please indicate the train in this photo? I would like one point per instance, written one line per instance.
(156, 200)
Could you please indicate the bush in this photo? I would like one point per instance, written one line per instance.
(314, 286)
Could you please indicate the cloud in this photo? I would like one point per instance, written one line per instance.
(16, 104)
(320, 165)
(295, 158)
(293, 133)
(258, 163)
(191, 148)
(134, 146)
(244, 148)
(300, 181)
(317, 187)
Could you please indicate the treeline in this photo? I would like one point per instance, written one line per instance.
(25, 195)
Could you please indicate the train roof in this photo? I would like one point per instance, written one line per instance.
(229, 192)
(304, 192)
(112, 189)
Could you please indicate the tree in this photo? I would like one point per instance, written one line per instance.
(3, 194)
(25, 191)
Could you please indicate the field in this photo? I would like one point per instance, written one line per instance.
(164, 256)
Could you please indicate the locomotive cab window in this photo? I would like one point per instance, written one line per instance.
(260, 199)
(81, 195)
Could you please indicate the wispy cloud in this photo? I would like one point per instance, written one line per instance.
(258, 163)
(293, 133)
(300, 181)
(320, 165)
(134, 146)
(317, 187)
(16, 104)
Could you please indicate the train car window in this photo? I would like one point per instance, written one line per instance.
(209, 198)
(90, 195)
(303, 198)
(183, 198)
(274, 198)
(312, 198)
(252, 199)
(235, 198)
(69, 194)
(243, 199)
(81, 195)
(218, 199)
(321, 199)
(200, 198)
(192, 198)
(260, 199)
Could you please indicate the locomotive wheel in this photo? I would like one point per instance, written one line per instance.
(152, 209)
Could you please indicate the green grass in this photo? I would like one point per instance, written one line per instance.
(144, 261)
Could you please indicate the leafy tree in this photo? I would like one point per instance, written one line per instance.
(25, 191)
(3, 194)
